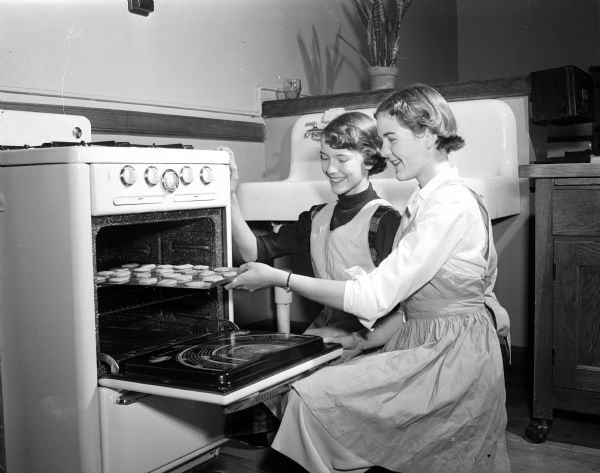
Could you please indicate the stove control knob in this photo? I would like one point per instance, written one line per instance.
(187, 175)
(170, 180)
(128, 175)
(152, 177)
(206, 175)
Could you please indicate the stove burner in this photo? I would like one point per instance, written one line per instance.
(125, 144)
(10, 148)
(111, 143)
(61, 144)
(173, 146)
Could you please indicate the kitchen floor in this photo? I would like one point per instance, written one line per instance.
(573, 445)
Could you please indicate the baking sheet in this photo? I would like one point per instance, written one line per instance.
(186, 275)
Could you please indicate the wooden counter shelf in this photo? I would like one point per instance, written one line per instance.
(452, 91)
(566, 372)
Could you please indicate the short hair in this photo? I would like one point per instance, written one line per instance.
(356, 131)
(420, 106)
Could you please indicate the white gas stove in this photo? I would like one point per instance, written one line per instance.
(81, 391)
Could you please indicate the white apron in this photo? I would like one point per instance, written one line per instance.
(432, 401)
(333, 251)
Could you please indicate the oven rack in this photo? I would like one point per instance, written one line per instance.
(145, 302)
(141, 341)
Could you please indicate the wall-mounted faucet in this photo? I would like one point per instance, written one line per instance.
(314, 132)
(328, 115)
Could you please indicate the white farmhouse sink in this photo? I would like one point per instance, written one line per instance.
(488, 163)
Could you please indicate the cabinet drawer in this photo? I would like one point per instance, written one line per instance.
(576, 212)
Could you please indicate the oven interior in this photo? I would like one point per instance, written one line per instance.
(132, 320)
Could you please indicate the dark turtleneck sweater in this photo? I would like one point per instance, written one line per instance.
(295, 237)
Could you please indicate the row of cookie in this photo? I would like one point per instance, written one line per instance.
(165, 275)
(166, 270)
(167, 282)
(186, 280)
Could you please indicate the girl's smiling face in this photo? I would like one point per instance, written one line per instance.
(405, 151)
(345, 169)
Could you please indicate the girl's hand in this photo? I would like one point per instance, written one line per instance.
(234, 177)
(353, 346)
(254, 276)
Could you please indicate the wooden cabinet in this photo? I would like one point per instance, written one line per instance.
(567, 291)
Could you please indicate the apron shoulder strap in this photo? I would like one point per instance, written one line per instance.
(374, 226)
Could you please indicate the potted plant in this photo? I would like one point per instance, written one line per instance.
(382, 20)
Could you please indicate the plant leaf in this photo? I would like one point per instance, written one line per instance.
(362, 57)
(382, 28)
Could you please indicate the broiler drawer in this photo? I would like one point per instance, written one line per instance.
(576, 211)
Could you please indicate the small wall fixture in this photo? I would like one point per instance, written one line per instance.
(141, 7)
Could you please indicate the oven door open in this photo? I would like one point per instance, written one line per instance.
(222, 368)
(164, 319)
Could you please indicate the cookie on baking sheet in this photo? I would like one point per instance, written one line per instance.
(119, 279)
(182, 266)
(198, 284)
(184, 277)
(213, 278)
(225, 269)
(167, 282)
(147, 281)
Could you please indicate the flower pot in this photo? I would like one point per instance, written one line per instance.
(383, 77)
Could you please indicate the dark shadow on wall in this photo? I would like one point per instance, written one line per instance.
(321, 76)
(361, 50)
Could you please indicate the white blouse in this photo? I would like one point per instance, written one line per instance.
(442, 226)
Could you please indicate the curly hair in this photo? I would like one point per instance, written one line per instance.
(358, 132)
(420, 107)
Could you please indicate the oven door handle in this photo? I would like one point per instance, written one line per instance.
(127, 398)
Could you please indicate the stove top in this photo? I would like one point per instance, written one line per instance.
(110, 144)
(123, 177)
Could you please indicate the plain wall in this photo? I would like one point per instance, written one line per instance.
(504, 38)
(204, 56)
